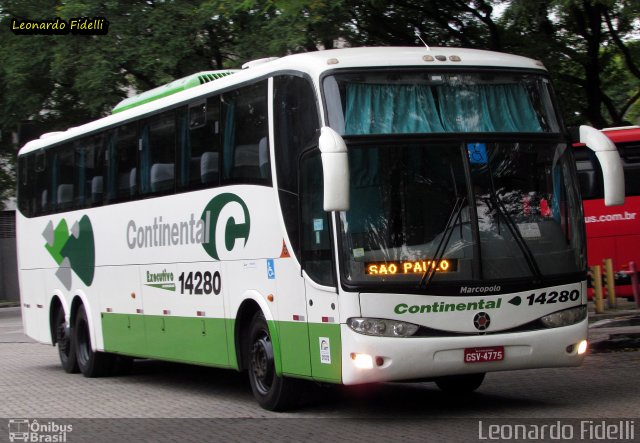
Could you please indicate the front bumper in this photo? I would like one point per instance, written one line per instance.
(425, 357)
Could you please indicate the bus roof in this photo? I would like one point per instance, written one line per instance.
(181, 84)
(311, 63)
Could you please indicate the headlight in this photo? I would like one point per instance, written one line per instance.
(565, 318)
(382, 327)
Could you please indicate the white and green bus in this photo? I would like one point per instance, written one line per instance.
(345, 216)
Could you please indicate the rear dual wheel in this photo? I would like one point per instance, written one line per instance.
(94, 363)
(66, 347)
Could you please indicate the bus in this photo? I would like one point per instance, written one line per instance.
(613, 232)
(345, 216)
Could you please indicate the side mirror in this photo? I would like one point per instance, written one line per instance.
(335, 169)
(610, 162)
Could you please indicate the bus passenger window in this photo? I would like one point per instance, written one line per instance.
(199, 141)
(157, 154)
(123, 161)
(89, 170)
(62, 160)
(246, 147)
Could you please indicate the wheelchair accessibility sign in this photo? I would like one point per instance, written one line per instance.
(271, 269)
(477, 153)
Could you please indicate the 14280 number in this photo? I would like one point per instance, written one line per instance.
(553, 297)
(200, 283)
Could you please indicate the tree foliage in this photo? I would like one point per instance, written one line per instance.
(52, 82)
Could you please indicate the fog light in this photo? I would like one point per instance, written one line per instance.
(362, 361)
(582, 347)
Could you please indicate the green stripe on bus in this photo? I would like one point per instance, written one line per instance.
(211, 342)
(323, 371)
(294, 349)
(185, 339)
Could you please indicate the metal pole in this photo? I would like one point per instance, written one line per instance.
(596, 277)
(611, 284)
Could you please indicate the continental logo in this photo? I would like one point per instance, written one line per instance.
(230, 211)
(72, 249)
(436, 307)
(224, 225)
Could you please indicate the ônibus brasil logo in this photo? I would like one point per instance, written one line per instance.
(225, 208)
(72, 249)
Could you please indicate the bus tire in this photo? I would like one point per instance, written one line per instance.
(91, 363)
(272, 392)
(66, 348)
(460, 384)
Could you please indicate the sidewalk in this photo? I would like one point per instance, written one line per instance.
(623, 307)
(616, 329)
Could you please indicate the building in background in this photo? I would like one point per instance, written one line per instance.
(8, 260)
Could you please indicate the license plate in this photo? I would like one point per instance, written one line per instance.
(482, 355)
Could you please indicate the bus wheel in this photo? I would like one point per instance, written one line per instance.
(271, 391)
(66, 349)
(460, 384)
(91, 363)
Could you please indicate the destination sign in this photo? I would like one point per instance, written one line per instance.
(409, 267)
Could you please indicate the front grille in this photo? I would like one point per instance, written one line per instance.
(424, 331)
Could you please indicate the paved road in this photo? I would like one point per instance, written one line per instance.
(171, 402)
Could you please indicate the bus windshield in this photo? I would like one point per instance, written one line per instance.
(417, 204)
(466, 208)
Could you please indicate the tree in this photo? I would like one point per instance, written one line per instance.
(51, 83)
(586, 44)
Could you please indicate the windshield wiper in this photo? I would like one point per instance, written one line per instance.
(455, 215)
(515, 232)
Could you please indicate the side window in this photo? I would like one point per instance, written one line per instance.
(199, 133)
(157, 154)
(245, 132)
(122, 159)
(61, 161)
(41, 183)
(316, 240)
(589, 173)
(630, 153)
(26, 185)
(296, 126)
(89, 178)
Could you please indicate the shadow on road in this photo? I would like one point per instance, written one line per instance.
(371, 400)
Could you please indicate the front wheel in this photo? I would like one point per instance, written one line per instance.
(91, 363)
(66, 348)
(272, 392)
(460, 384)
